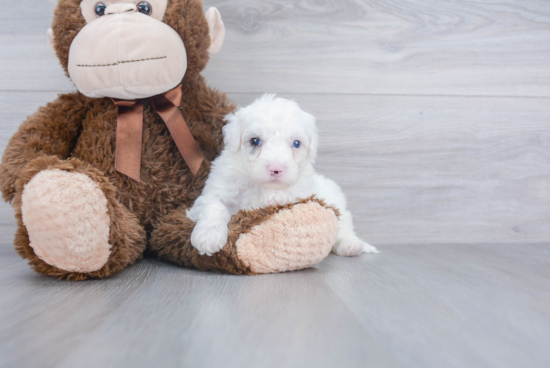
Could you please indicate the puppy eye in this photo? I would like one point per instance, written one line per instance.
(145, 8)
(296, 144)
(100, 9)
(255, 142)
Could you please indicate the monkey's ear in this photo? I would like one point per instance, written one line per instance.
(51, 40)
(217, 29)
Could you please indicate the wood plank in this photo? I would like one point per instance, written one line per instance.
(496, 48)
(416, 169)
(499, 48)
(26, 59)
(159, 314)
(409, 306)
(451, 306)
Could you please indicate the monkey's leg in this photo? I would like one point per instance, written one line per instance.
(70, 224)
(275, 239)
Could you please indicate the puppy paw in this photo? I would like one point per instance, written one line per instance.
(352, 246)
(209, 238)
(367, 248)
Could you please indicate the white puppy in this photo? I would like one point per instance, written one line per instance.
(270, 148)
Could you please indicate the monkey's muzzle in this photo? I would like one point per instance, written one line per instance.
(126, 56)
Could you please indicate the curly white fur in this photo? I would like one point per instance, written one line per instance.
(276, 171)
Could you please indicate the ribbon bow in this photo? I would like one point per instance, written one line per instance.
(130, 127)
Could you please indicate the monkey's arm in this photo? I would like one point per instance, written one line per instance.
(265, 240)
(207, 129)
(51, 131)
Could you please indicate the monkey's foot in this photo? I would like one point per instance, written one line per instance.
(293, 238)
(66, 216)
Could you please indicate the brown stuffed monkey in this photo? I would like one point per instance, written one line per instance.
(101, 176)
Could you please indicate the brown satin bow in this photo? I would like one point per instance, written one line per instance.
(130, 127)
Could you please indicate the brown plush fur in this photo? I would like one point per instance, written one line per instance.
(76, 133)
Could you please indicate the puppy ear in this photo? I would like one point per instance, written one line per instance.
(313, 136)
(232, 132)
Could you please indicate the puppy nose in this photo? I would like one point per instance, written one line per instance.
(120, 8)
(276, 169)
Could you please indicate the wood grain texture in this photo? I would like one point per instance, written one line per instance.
(451, 306)
(448, 47)
(416, 170)
(410, 306)
(27, 61)
(496, 48)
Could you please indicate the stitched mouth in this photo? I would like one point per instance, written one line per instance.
(119, 62)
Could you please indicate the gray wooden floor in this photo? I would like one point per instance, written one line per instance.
(434, 117)
(410, 306)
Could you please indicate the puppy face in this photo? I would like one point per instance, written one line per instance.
(273, 139)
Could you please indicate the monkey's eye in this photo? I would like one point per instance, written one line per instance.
(100, 9)
(255, 142)
(296, 144)
(145, 8)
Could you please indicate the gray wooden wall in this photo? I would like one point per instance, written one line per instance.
(434, 115)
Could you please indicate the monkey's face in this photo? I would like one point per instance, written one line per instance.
(125, 50)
